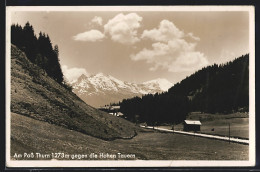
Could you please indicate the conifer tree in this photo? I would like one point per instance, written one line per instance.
(38, 50)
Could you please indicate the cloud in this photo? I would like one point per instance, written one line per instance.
(91, 36)
(166, 31)
(172, 52)
(193, 37)
(123, 28)
(71, 74)
(97, 20)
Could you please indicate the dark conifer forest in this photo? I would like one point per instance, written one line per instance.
(214, 89)
(39, 50)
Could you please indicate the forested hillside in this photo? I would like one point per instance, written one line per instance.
(218, 88)
(39, 50)
(214, 89)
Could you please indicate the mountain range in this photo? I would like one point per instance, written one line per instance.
(100, 89)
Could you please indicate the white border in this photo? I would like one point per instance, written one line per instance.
(137, 163)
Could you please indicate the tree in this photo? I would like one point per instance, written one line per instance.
(56, 50)
(38, 50)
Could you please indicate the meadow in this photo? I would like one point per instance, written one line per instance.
(218, 124)
(30, 135)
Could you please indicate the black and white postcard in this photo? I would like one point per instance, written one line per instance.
(130, 86)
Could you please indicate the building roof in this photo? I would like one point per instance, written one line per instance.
(192, 122)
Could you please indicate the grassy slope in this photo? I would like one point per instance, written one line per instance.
(36, 95)
(29, 135)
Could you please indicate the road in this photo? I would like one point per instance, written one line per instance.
(231, 139)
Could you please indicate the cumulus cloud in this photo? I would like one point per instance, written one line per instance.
(123, 28)
(166, 31)
(97, 20)
(91, 36)
(71, 74)
(172, 52)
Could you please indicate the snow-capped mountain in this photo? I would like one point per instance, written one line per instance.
(100, 89)
(158, 84)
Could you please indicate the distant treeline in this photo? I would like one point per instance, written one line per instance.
(39, 50)
(214, 89)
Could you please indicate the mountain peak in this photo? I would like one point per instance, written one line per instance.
(163, 83)
(83, 76)
(101, 89)
(158, 80)
(100, 74)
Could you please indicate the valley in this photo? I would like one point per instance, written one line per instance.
(47, 118)
(52, 119)
(29, 135)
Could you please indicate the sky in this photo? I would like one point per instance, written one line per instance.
(139, 46)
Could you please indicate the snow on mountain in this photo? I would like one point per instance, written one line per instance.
(101, 89)
(162, 83)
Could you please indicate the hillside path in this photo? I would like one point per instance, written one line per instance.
(224, 138)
